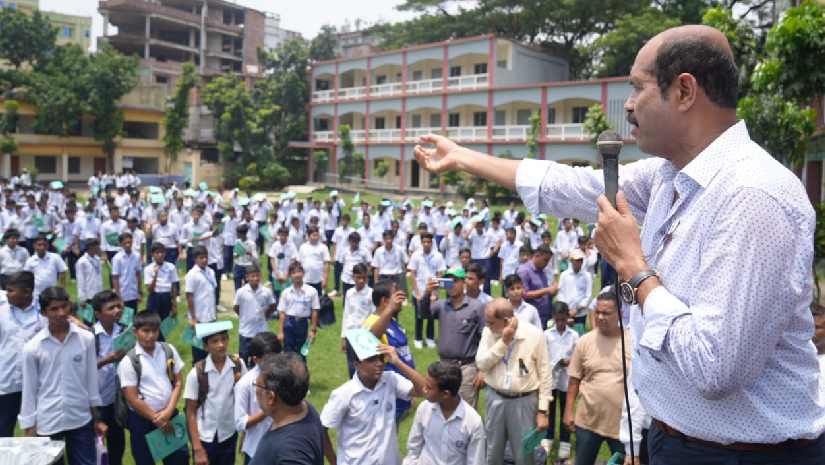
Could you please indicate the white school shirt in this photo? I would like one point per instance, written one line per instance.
(479, 245)
(313, 258)
(246, 405)
(496, 235)
(349, 259)
(216, 415)
(106, 374)
(59, 381)
(244, 259)
(426, 266)
(560, 346)
(262, 211)
(327, 221)
(179, 217)
(365, 419)
(229, 233)
(166, 235)
(527, 313)
(389, 262)
(357, 307)
(154, 387)
(67, 230)
(566, 241)
(252, 309)
(415, 245)
(17, 327)
(109, 227)
(134, 210)
(201, 283)
(450, 247)
(575, 289)
(46, 270)
(435, 440)
(341, 240)
(214, 246)
(299, 304)
(125, 267)
(89, 277)
(138, 240)
(426, 218)
(370, 236)
(189, 229)
(509, 218)
(87, 228)
(289, 251)
(252, 231)
(12, 261)
(509, 255)
(167, 274)
(296, 237)
(272, 229)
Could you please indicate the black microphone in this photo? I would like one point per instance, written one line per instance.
(609, 145)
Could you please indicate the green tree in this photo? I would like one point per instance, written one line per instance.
(8, 125)
(26, 43)
(381, 169)
(351, 162)
(534, 135)
(778, 125)
(59, 92)
(176, 115)
(323, 46)
(595, 122)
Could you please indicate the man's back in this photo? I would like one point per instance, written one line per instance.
(301, 442)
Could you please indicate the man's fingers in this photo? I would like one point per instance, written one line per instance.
(430, 138)
(604, 205)
(621, 204)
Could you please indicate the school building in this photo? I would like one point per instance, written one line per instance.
(480, 91)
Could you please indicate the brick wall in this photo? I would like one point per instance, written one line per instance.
(255, 31)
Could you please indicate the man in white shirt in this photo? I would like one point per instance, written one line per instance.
(424, 264)
(314, 256)
(47, 267)
(249, 418)
(453, 243)
(340, 240)
(253, 304)
(566, 240)
(509, 254)
(110, 234)
(561, 340)
(576, 288)
(200, 294)
(282, 253)
(509, 216)
(480, 247)
(89, 275)
(390, 263)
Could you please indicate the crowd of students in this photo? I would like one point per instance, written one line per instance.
(62, 377)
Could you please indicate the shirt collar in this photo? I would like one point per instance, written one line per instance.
(707, 164)
(362, 388)
(139, 349)
(72, 329)
(210, 366)
(98, 328)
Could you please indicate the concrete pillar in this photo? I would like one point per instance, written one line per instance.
(64, 167)
(105, 24)
(148, 36)
(5, 170)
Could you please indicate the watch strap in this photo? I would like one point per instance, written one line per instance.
(637, 279)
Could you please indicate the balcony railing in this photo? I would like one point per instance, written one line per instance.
(566, 132)
(352, 93)
(358, 135)
(511, 132)
(472, 81)
(429, 85)
(382, 90)
(385, 135)
(323, 95)
(467, 133)
(414, 134)
(323, 136)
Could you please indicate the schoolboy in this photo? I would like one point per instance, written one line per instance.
(361, 409)
(88, 226)
(314, 256)
(138, 236)
(249, 255)
(20, 321)
(424, 264)
(497, 237)
(475, 281)
(160, 277)
(249, 418)
(296, 233)
(522, 310)
(214, 248)
(108, 308)
(152, 397)
(351, 257)
(47, 266)
(253, 304)
(89, 277)
(110, 234)
(127, 280)
(509, 254)
(452, 244)
(464, 258)
(12, 256)
(67, 230)
(415, 242)
(561, 340)
(358, 305)
(165, 232)
(282, 253)
(481, 245)
(229, 234)
(200, 295)
(299, 303)
(446, 429)
(60, 387)
(390, 262)
(210, 408)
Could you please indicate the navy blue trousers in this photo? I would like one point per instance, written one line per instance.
(221, 452)
(9, 409)
(115, 437)
(295, 334)
(80, 445)
(139, 427)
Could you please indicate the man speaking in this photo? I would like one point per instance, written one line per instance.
(722, 358)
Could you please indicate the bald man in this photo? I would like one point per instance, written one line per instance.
(516, 365)
(722, 360)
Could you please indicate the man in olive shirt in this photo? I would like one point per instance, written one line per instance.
(516, 365)
(460, 323)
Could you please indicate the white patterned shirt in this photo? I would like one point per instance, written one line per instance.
(715, 356)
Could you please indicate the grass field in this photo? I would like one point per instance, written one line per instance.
(326, 362)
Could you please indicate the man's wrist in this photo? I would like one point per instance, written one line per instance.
(630, 269)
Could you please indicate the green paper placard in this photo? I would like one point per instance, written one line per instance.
(531, 441)
(305, 347)
(49, 237)
(277, 286)
(60, 245)
(363, 342)
(265, 232)
(239, 248)
(113, 239)
(38, 221)
(125, 340)
(220, 227)
(356, 199)
(204, 329)
(155, 190)
(163, 445)
(157, 198)
(168, 325)
(128, 315)
(86, 313)
(56, 185)
(196, 236)
(188, 337)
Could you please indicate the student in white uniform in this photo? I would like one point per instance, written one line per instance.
(446, 429)
(314, 256)
(89, 276)
(522, 310)
(249, 418)
(12, 256)
(298, 306)
(340, 241)
(390, 262)
(282, 253)
(47, 266)
(357, 307)
(200, 294)
(253, 304)
(127, 273)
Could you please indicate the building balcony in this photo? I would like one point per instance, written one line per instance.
(414, 134)
(472, 81)
(358, 135)
(566, 132)
(385, 135)
(323, 96)
(384, 90)
(350, 93)
(473, 133)
(428, 85)
(323, 136)
(509, 133)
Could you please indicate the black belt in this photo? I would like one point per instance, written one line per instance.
(740, 446)
(298, 318)
(514, 395)
(461, 361)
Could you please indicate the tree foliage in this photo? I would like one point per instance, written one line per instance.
(778, 125)
(534, 135)
(176, 116)
(595, 122)
(27, 41)
(8, 125)
(323, 46)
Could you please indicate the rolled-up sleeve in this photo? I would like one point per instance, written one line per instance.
(241, 406)
(91, 374)
(28, 407)
(489, 351)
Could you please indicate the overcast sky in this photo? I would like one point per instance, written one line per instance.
(305, 16)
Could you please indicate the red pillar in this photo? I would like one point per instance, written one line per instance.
(543, 132)
(367, 124)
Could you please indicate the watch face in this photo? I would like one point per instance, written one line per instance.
(627, 292)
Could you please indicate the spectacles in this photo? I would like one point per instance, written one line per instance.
(263, 388)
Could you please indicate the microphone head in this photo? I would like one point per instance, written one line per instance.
(609, 144)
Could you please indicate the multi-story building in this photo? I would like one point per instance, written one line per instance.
(275, 35)
(480, 91)
(70, 28)
(356, 43)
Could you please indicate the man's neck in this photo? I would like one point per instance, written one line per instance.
(516, 303)
(449, 406)
(473, 293)
(254, 287)
(561, 329)
(41, 255)
(369, 383)
(219, 362)
(107, 326)
(458, 300)
(59, 332)
(286, 415)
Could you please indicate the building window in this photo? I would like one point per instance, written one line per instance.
(398, 168)
(67, 32)
(480, 68)
(480, 118)
(398, 77)
(416, 121)
(523, 117)
(418, 75)
(455, 71)
(397, 122)
(502, 64)
(74, 165)
(500, 118)
(436, 73)
(140, 130)
(379, 122)
(579, 114)
(435, 120)
(551, 116)
(454, 120)
(380, 79)
(46, 164)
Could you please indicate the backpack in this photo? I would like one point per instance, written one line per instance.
(121, 407)
(203, 379)
(97, 336)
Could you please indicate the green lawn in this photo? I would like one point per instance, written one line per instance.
(327, 364)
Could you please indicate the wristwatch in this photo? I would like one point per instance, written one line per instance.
(628, 289)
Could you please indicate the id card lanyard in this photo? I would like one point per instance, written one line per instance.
(506, 379)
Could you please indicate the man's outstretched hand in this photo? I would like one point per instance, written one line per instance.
(443, 158)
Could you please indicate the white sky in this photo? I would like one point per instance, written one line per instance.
(306, 17)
